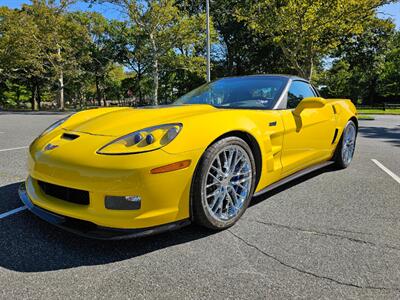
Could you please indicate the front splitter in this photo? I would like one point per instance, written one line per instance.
(91, 230)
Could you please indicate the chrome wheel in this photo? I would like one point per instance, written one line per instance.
(228, 183)
(349, 143)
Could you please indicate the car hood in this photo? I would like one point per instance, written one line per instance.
(124, 121)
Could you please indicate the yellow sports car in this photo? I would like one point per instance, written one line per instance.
(114, 173)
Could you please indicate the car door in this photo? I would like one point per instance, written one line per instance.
(308, 137)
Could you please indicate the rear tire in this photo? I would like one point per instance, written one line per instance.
(346, 147)
(223, 184)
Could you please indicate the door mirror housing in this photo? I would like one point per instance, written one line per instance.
(308, 103)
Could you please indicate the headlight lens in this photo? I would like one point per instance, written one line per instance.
(144, 140)
(54, 126)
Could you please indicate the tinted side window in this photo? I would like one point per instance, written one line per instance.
(297, 92)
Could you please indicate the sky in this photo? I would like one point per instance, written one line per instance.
(107, 10)
(391, 10)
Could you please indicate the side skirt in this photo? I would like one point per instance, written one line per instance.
(293, 177)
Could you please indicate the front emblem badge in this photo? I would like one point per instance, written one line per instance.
(50, 147)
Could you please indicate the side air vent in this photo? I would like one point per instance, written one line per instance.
(69, 136)
(335, 136)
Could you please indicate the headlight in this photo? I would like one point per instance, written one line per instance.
(144, 140)
(54, 126)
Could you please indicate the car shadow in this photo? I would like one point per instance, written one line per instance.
(390, 135)
(29, 244)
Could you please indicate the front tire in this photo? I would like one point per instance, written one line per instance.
(223, 184)
(346, 147)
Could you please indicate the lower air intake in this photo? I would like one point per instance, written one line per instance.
(65, 193)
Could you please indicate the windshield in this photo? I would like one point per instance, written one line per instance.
(256, 92)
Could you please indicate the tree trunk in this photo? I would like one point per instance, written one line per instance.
(98, 92)
(310, 66)
(61, 80)
(155, 69)
(309, 71)
(155, 78)
(371, 91)
(61, 99)
(34, 93)
(39, 98)
(139, 79)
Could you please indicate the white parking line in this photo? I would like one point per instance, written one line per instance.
(11, 149)
(391, 174)
(11, 212)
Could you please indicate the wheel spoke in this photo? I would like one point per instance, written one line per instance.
(218, 170)
(220, 201)
(225, 161)
(215, 193)
(242, 180)
(240, 185)
(217, 200)
(236, 197)
(231, 154)
(212, 184)
(242, 173)
(231, 203)
(214, 177)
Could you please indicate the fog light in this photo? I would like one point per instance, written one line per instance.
(123, 203)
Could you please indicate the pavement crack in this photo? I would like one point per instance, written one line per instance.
(320, 233)
(348, 284)
(349, 231)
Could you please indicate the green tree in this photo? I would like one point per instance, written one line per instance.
(57, 37)
(308, 30)
(39, 46)
(21, 57)
(359, 62)
(389, 81)
(162, 28)
(98, 54)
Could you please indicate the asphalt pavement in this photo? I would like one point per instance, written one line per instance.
(332, 234)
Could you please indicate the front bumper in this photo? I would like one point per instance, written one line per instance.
(165, 198)
(91, 230)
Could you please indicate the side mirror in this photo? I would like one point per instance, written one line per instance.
(308, 103)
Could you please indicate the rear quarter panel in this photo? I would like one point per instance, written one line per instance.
(345, 110)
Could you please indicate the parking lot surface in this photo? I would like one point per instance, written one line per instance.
(332, 234)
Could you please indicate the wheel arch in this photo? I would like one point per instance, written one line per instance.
(253, 144)
(355, 120)
(250, 140)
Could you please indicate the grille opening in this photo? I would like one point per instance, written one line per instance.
(64, 193)
(69, 136)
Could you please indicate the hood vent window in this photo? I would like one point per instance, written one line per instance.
(69, 136)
